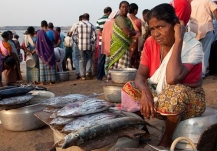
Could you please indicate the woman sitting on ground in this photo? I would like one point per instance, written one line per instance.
(168, 81)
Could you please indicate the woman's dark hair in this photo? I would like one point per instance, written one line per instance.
(31, 30)
(123, 2)
(5, 34)
(10, 32)
(133, 7)
(163, 12)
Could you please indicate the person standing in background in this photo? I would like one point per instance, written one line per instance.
(68, 51)
(202, 25)
(62, 37)
(45, 51)
(11, 64)
(101, 57)
(137, 25)
(57, 39)
(144, 33)
(16, 40)
(75, 49)
(84, 36)
(32, 74)
(182, 9)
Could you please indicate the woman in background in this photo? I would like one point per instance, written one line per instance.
(137, 25)
(11, 63)
(32, 74)
(121, 39)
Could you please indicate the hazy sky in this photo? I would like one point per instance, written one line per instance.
(60, 12)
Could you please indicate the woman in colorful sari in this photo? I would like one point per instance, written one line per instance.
(32, 74)
(45, 52)
(121, 39)
(169, 78)
(137, 25)
(11, 70)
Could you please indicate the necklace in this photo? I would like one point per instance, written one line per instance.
(161, 54)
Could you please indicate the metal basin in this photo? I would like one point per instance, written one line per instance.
(193, 128)
(63, 76)
(23, 119)
(123, 75)
(112, 93)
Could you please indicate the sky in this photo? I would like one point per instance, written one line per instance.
(60, 12)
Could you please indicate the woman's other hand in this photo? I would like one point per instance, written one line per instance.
(147, 104)
(180, 30)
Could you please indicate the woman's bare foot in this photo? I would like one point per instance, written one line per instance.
(42, 83)
(51, 83)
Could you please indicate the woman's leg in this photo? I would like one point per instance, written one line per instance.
(171, 123)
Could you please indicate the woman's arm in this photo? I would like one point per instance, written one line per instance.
(176, 71)
(146, 102)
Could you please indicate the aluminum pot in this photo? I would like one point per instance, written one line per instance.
(23, 119)
(112, 93)
(193, 128)
(63, 76)
(123, 75)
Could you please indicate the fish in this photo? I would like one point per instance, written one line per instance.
(17, 91)
(7, 87)
(91, 105)
(87, 121)
(16, 100)
(61, 101)
(61, 121)
(107, 127)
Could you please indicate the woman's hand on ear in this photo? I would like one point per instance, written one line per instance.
(180, 30)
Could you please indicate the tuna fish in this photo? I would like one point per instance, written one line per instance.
(61, 121)
(61, 101)
(92, 105)
(83, 135)
(17, 91)
(87, 121)
(16, 100)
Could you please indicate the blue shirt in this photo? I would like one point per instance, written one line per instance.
(50, 35)
(62, 37)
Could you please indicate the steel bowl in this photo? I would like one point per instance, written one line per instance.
(123, 75)
(23, 119)
(112, 93)
(63, 76)
(193, 128)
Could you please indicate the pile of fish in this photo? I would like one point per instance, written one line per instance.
(84, 118)
(12, 96)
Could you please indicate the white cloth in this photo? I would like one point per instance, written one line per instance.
(68, 42)
(28, 40)
(190, 54)
(59, 55)
(113, 14)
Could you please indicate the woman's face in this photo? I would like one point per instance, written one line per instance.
(162, 32)
(124, 9)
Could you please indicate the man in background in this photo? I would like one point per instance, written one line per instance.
(101, 57)
(202, 25)
(84, 36)
(57, 39)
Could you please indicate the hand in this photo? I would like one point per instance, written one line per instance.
(180, 30)
(147, 104)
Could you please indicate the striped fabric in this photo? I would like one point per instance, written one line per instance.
(84, 35)
(99, 26)
(47, 74)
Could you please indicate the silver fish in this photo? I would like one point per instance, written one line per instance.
(61, 121)
(61, 101)
(16, 100)
(92, 105)
(81, 136)
(87, 121)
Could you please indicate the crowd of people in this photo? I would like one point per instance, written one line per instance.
(170, 46)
